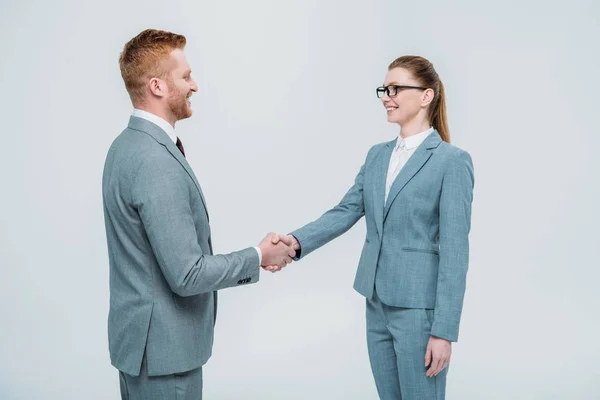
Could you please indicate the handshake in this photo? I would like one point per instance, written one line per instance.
(277, 251)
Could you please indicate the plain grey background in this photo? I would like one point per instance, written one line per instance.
(286, 110)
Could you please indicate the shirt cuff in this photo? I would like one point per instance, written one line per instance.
(259, 255)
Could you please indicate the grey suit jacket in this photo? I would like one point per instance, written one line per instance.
(416, 249)
(163, 274)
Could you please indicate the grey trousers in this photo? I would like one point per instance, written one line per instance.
(182, 386)
(397, 339)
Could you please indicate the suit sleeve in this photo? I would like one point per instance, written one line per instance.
(455, 222)
(334, 222)
(161, 193)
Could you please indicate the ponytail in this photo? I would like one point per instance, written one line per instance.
(439, 119)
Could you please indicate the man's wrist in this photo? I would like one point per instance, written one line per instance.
(259, 251)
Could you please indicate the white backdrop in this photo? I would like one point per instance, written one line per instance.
(284, 116)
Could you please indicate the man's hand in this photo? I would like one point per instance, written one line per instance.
(289, 241)
(437, 355)
(275, 253)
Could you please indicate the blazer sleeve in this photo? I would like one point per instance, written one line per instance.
(455, 222)
(161, 193)
(334, 222)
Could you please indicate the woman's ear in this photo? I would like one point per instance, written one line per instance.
(427, 98)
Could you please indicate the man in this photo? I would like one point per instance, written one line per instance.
(163, 274)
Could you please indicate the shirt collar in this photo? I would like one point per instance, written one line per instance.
(413, 141)
(164, 125)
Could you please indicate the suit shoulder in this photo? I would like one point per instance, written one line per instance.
(453, 152)
(457, 161)
(134, 154)
(136, 147)
(131, 139)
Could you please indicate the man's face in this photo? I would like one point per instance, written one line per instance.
(181, 86)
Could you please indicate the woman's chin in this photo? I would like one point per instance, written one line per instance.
(393, 119)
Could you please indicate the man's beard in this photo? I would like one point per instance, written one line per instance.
(178, 104)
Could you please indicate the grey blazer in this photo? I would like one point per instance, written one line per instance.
(416, 249)
(163, 274)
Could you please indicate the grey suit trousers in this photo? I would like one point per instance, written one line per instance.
(397, 338)
(181, 386)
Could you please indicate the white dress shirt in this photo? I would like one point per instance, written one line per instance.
(170, 131)
(400, 156)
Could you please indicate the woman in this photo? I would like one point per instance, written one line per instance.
(416, 193)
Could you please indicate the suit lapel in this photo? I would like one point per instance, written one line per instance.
(410, 169)
(381, 168)
(175, 152)
(161, 137)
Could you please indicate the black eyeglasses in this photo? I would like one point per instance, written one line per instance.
(392, 90)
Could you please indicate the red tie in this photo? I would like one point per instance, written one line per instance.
(180, 146)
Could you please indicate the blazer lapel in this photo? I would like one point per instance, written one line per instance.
(175, 152)
(381, 168)
(161, 137)
(410, 169)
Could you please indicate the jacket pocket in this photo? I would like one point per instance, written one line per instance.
(415, 250)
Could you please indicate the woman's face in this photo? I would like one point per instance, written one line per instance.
(407, 103)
